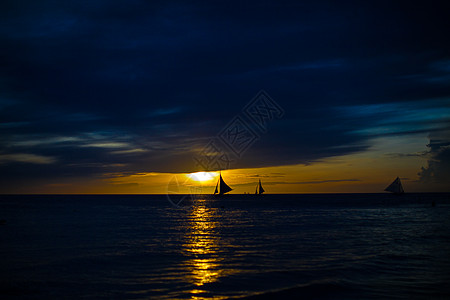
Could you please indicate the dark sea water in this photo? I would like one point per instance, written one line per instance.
(327, 246)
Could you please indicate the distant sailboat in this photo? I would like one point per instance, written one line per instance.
(395, 187)
(221, 187)
(261, 190)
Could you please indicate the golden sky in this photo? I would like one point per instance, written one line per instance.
(369, 171)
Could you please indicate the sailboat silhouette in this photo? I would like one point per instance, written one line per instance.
(395, 187)
(261, 190)
(221, 187)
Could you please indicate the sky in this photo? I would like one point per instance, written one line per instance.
(310, 97)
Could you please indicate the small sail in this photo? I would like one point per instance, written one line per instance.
(224, 188)
(395, 187)
(261, 190)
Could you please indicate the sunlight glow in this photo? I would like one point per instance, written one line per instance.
(202, 176)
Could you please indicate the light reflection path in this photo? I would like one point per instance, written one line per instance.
(202, 247)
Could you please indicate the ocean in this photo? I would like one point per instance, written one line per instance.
(310, 246)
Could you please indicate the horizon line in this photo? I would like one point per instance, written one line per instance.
(161, 194)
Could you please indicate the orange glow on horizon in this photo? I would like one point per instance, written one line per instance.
(364, 172)
(202, 176)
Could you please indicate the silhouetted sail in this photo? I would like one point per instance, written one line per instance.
(216, 191)
(395, 187)
(261, 190)
(223, 187)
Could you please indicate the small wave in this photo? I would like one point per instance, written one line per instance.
(329, 289)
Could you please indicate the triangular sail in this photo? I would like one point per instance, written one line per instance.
(261, 190)
(224, 188)
(216, 191)
(395, 187)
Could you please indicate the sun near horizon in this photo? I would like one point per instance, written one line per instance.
(202, 176)
(365, 172)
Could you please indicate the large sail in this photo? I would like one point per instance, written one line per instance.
(261, 190)
(395, 187)
(224, 188)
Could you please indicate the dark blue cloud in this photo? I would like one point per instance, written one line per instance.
(96, 87)
(438, 168)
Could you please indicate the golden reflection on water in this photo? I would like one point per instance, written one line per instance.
(202, 246)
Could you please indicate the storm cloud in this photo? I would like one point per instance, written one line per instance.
(438, 169)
